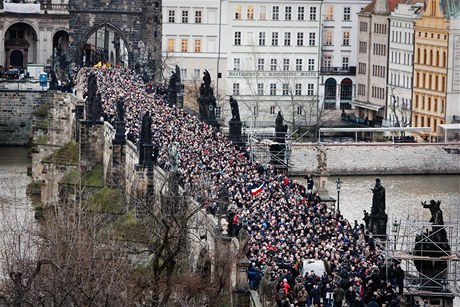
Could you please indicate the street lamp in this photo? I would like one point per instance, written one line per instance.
(338, 185)
(395, 229)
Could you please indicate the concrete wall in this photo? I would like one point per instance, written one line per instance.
(377, 159)
(16, 109)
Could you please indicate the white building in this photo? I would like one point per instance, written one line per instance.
(400, 63)
(194, 38)
(339, 48)
(453, 66)
(371, 77)
(273, 60)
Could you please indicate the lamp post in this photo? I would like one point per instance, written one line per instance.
(395, 229)
(338, 185)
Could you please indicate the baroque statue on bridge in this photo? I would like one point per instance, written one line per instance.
(207, 100)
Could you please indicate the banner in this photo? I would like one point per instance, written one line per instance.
(22, 8)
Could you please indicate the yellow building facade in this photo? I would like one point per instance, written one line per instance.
(430, 69)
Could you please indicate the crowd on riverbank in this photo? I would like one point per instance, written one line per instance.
(286, 221)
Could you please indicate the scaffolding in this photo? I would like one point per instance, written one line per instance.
(444, 283)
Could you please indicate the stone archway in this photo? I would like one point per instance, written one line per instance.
(103, 40)
(135, 21)
(20, 42)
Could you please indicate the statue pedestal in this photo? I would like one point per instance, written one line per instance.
(120, 137)
(322, 185)
(241, 293)
(378, 224)
(148, 152)
(235, 131)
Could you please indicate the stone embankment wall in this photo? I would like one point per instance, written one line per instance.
(16, 109)
(377, 159)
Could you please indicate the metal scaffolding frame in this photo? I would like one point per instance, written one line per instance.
(401, 239)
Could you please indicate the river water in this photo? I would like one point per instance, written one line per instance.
(403, 193)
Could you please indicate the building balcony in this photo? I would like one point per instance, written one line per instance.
(351, 71)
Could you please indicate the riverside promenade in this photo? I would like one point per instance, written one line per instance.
(377, 158)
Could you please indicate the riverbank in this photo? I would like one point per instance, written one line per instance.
(375, 159)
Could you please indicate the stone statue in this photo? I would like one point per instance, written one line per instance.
(378, 200)
(92, 86)
(431, 244)
(207, 101)
(174, 155)
(322, 160)
(439, 232)
(54, 85)
(243, 239)
(280, 129)
(235, 109)
(146, 129)
(206, 78)
(120, 110)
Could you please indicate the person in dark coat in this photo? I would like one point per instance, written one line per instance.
(399, 274)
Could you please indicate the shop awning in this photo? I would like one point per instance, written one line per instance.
(368, 106)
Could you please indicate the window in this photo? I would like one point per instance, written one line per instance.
(236, 88)
(218, 112)
(184, 45)
(300, 39)
(312, 39)
(362, 68)
(285, 64)
(237, 38)
(301, 13)
(287, 39)
(288, 13)
(273, 89)
(263, 13)
(311, 64)
(260, 89)
(236, 64)
(198, 16)
(329, 12)
(171, 45)
(272, 109)
(345, 61)
(183, 73)
(196, 73)
(310, 89)
(285, 89)
(298, 64)
(172, 16)
(184, 16)
(238, 12)
(275, 39)
(197, 45)
(346, 13)
(255, 110)
(276, 13)
(313, 13)
(250, 13)
(361, 89)
(362, 47)
(346, 38)
(260, 64)
(299, 110)
(327, 61)
(261, 38)
(363, 26)
(273, 64)
(328, 38)
(298, 89)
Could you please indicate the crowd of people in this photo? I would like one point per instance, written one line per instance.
(287, 221)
